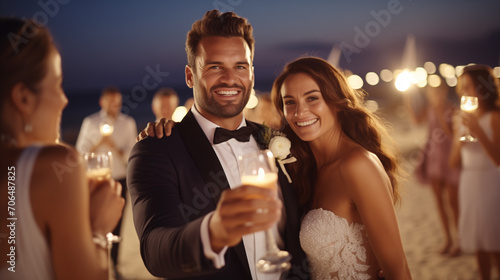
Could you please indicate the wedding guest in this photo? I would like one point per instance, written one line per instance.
(110, 130)
(434, 168)
(345, 176)
(55, 213)
(479, 187)
(193, 218)
(164, 103)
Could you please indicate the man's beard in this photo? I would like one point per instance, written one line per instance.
(228, 110)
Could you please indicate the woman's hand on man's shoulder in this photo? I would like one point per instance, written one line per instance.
(158, 129)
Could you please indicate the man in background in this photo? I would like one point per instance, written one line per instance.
(164, 103)
(110, 131)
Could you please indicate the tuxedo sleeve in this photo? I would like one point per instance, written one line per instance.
(170, 245)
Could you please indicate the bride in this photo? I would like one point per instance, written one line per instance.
(345, 177)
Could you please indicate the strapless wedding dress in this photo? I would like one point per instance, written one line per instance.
(335, 249)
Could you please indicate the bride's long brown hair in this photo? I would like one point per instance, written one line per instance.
(359, 124)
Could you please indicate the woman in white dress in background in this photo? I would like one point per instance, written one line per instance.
(346, 178)
(479, 187)
(54, 210)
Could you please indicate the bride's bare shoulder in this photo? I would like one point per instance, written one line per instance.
(365, 175)
(359, 161)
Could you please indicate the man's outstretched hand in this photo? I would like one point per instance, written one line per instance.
(240, 211)
(158, 129)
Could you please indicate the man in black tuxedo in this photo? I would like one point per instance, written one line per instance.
(193, 219)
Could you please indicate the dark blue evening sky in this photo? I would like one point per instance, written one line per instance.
(113, 42)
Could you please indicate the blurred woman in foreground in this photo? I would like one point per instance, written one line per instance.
(60, 218)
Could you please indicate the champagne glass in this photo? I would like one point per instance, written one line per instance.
(259, 169)
(468, 104)
(98, 165)
(99, 168)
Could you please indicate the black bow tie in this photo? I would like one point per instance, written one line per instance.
(242, 134)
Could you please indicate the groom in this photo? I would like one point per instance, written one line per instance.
(193, 219)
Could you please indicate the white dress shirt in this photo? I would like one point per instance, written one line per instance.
(124, 134)
(228, 152)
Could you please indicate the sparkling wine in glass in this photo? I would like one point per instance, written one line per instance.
(468, 104)
(98, 165)
(99, 168)
(259, 169)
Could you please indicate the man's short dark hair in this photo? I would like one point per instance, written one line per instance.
(166, 91)
(110, 90)
(218, 24)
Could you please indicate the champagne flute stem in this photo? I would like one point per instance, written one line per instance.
(271, 246)
(110, 263)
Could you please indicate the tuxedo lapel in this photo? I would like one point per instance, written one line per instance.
(203, 156)
(258, 134)
(208, 164)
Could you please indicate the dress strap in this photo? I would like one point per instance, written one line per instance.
(32, 245)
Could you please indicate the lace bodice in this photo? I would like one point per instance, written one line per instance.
(335, 249)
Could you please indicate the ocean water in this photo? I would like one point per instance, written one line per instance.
(85, 102)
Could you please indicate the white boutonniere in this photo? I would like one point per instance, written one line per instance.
(280, 146)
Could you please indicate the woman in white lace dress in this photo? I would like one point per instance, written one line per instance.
(54, 211)
(479, 187)
(345, 177)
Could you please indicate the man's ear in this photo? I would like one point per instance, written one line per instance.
(189, 76)
(23, 98)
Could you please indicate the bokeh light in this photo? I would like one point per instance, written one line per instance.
(434, 80)
(179, 113)
(419, 75)
(430, 67)
(372, 78)
(355, 81)
(452, 82)
(496, 71)
(446, 70)
(253, 101)
(459, 70)
(422, 83)
(386, 75)
(371, 105)
(403, 80)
